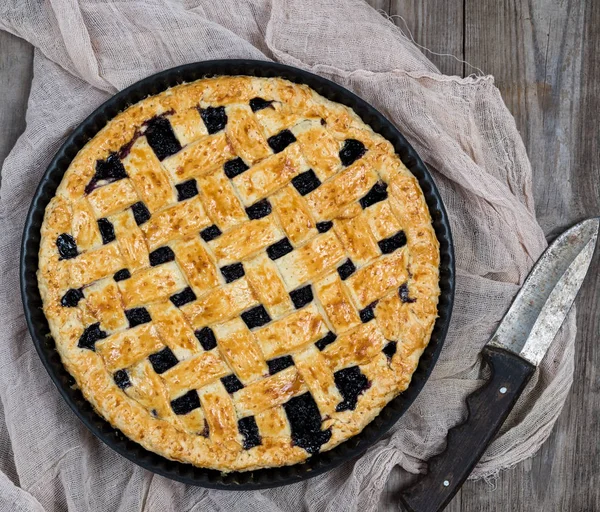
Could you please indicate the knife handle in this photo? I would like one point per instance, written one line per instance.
(487, 409)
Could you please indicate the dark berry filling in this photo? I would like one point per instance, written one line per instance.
(67, 248)
(122, 274)
(351, 382)
(281, 141)
(259, 210)
(279, 249)
(389, 245)
(367, 314)
(231, 383)
(161, 255)
(183, 297)
(377, 193)
(210, 233)
(328, 339)
(163, 360)
(214, 118)
(351, 151)
(107, 230)
(186, 403)
(256, 317)
(234, 167)
(206, 430)
(206, 337)
(305, 423)
(137, 316)
(306, 182)
(279, 363)
(71, 298)
(404, 294)
(249, 430)
(346, 269)
(186, 190)
(161, 138)
(257, 104)
(122, 379)
(141, 213)
(109, 170)
(390, 349)
(301, 296)
(90, 336)
(323, 227)
(126, 148)
(232, 272)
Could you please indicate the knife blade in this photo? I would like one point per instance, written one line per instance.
(512, 354)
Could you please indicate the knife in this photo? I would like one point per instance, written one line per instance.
(512, 354)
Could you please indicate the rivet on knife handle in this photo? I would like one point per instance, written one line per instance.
(487, 407)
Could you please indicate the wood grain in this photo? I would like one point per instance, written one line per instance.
(16, 72)
(544, 55)
(438, 27)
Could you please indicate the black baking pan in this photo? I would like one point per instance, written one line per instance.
(44, 343)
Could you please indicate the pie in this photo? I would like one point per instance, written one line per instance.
(239, 273)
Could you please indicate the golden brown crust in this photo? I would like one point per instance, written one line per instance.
(207, 361)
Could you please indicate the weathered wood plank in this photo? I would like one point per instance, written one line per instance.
(380, 5)
(437, 26)
(543, 54)
(16, 71)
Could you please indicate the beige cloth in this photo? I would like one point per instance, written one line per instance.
(87, 51)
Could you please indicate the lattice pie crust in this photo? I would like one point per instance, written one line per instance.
(239, 273)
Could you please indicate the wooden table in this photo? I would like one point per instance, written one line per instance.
(545, 57)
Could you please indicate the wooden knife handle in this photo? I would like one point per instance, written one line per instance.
(487, 408)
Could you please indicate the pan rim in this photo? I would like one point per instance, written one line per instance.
(38, 327)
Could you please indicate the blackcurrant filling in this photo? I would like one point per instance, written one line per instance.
(163, 360)
(186, 190)
(305, 423)
(71, 298)
(351, 151)
(90, 336)
(234, 167)
(306, 182)
(231, 383)
(67, 248)
(377, 193)
(161, 137)
(279, 249)
(183, 297)
(137, 316)
(281, 141)
(257, 104)
(259, 210)
(249, 431)
(186, 403)
(141, 213)
(323, 227)
(351, 382)
(279, 363)
(233, 272)
(301, 296)
(256, 317)
(214, 118)
(210, 233)
(161, 255)
(328, 339)
(389, 245)
(206, 337)
(346, 269)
